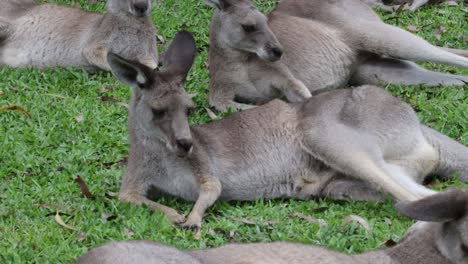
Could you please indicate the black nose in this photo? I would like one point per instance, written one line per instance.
(185, 144)
(140, 8)
(277, 52)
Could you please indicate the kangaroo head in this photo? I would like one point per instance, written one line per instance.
(139, 8)
(161, 106)
(449, 210)
(243, 27)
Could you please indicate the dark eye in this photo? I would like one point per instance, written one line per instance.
(190, 111)
(464, 248)
(249, 28)
(159, 113)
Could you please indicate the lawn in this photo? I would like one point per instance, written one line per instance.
(78, 127)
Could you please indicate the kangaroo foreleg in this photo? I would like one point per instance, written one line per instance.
(393, 42)
(210, 190)
(139, 200)
(282, 79)
(417, 4)
(96, 55)
(380, 71)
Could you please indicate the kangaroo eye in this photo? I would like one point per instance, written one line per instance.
(464, 248)
(190, 111)
(159, 113)
(249, 28)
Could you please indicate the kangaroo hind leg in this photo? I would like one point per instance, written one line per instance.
(453, 156)
(356, 154)
(379, 70)
(393, 42)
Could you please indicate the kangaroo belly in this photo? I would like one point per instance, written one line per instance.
(315, 53)
(41, 39)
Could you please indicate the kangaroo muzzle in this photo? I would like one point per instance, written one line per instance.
(271, 52)
(140, 8)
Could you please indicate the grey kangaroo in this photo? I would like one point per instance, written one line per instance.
(441, 240)
(309, 45)
(344, 144)
(414, 4)
(50, 35)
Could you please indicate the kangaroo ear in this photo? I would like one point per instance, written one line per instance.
(132, 73)
(179, 57)
(218, 4)
(442, 207)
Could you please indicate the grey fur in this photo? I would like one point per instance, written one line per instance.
(413, 4)
(50, 35)
(344, 144)
(326, 44)
(440, 241)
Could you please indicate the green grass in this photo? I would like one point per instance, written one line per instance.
(73, 133)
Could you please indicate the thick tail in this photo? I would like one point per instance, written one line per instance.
(453, 156)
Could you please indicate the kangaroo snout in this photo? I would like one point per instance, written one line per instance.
(140, 8)
(272, 52)
(184, 146)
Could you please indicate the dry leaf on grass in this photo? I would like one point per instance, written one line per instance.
(129, 233)
(84, 188)
(113, 100)
(106, 89)
(412, 28)
(108, 217)
(198, 234)
(81, 236)
(59, 220)
(439, 32)
(212, 115)
(359, 220)
(15, 108)
(451, 3)
(2, 92)
(79, 118)
(309, 219)
(57, 95)
(249, 222)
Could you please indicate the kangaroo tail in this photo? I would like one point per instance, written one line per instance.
(453, 156)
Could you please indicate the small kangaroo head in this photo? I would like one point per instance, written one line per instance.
(449, 209)
(139, 8)
(243, 27)
(161, 106)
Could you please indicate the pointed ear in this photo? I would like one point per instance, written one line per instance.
(218, 4)
(132, 73)
(179, 57)
(442, 207)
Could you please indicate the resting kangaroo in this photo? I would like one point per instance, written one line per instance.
(414, 4)
(344, 144)
(442, 240)
(309, 45)
(49, 35)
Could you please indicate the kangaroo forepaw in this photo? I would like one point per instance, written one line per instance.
(175, 217)
(298, 92)
(193, 223)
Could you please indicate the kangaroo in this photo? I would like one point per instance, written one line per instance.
(49, 35)
(306, 46)
(414, 4)
(344, 144)
(442, 240)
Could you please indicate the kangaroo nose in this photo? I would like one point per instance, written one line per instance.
(140, 8)
(277, 52)
(185, 144)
